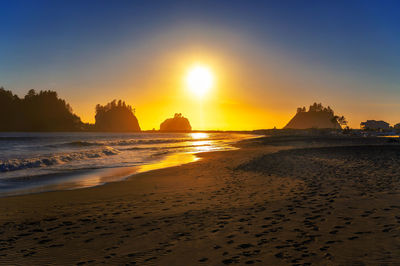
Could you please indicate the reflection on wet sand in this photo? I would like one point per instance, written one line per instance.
(169, 161)
(103, 176)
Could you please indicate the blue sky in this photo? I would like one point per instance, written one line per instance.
(355, 42)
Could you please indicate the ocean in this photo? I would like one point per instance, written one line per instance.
(38, 162)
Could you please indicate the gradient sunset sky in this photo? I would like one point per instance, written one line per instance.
(268, 57)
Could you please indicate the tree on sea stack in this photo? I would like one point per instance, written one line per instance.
(177, 123)
(117, 117)
(374, 125)
(317, 116)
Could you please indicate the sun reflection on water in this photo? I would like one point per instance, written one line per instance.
(199, 135)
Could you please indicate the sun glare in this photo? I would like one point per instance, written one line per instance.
(199, 80)
(199, 135)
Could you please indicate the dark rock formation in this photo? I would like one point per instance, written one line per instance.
(316, 117)
(116, 117)
(178, 123)
(374, 125)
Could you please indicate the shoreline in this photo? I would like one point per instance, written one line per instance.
(150, 169)
(90, 177)
(261, 204)
(100, 177)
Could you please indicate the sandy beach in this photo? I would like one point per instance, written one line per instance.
(275, 201)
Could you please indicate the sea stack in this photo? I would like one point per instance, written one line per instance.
(116, 117)
(177, 123)
(316, 117)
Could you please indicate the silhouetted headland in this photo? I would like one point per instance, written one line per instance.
(317, 116)
(45, 111)
(42, 111)
(177, 123)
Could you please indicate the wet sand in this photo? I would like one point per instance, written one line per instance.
(276, 201)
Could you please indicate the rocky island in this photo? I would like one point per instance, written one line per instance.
(317, 116)
(116, 116)
(177, 123)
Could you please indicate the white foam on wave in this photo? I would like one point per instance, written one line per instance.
(43, 161)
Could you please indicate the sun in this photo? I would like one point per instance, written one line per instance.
(199, 79)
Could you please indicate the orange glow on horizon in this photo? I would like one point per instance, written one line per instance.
(208, 106)
(254, 86)
(241, 98)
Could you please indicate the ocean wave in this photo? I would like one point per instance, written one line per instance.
(140, 148)
(76, 144)
(129, 142)
(20, 164)
(83, 143)
(186, 146)
(144, 141)
(165, 148)
(157, 141)
(19, 138)
(160, 153)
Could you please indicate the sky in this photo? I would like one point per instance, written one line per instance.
(267, 57)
